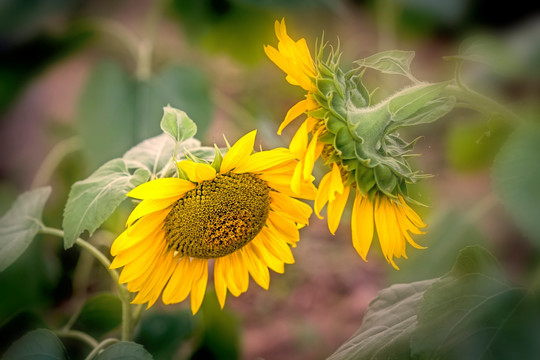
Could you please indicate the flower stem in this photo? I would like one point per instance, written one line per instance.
(99, 347)
(122, 291)
(79, 335)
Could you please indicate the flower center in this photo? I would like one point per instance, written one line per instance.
(219, 216)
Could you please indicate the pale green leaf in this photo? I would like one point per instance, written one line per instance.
(390, 62)
(39, 344)
(388, 324)
(152, 154)
(516, 179)
(409, 100)
(474, 313)
(91, 201)
(430, 112)
(177, 124)
(20, 224)
(125, 351)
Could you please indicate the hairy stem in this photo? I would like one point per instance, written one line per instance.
(100, 347)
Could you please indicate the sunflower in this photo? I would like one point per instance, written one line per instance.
(239, 215)
(364, 156)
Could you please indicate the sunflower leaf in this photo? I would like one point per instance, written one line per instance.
(20, 224)
(177, 124)
(100, 314)
(92, 200)
(388, 324)
(37, 344)
(475, 313)
(390, 62)
(516, 175)
(125, 350)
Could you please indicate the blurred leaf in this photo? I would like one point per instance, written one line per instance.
(100, 314)
(219, 332)
(490, 51)
(124, 350)
(92, 200)
(116, 111)
(21, 62)
(106, 112)
(37, 345)
(473, 313)
(387, 326)
(472, 145)
(177, 124)
(30, 281)
(17, 325)
(20, 224)
(409, 100)
(390, 62)
(444, 239)
(516, 178)
(162, 333)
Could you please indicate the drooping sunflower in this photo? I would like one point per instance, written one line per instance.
(358, 142)
(238, 214)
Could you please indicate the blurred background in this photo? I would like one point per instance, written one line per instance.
(83, 81)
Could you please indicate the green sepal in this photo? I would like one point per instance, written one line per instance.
(218, 158)
(181, 173)
(327, 138)
(365, 179)
(408, 101)
(319, 113)
(344, 143)
(385, 179)
(325, 86)
(333, 124)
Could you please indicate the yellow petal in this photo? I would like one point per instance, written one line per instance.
(256, 268)
(257, 248)
(198, 287)
(335, 209)
(197, 172)
(161, 188)
(299, 142)
(336, 183)
(219, 282)
(362, 224)
(179, 284)
(264, 160)
(276, 246)
(239, 152)
(298, 109)
(294, 209)
(310, 156)
(149, 206)
(322, 194)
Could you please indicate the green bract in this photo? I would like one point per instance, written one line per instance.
(363, 138)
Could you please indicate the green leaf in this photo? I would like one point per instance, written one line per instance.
(117, 111)
(106, 113)
(39, 344)
(20, 224)
(123, 351)
(390, 62)
(100, 314)
(152, 154)
(387, 326)
(445, 237)
(162, 333)
(177, 124)
(409, 100)
(473, 313)
(93, 200)
(516, 179)
(431, 112)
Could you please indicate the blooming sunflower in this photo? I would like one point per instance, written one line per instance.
(238, 214)
(359, 144)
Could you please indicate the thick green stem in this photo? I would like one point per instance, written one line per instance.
(79, 335)
(99, 347)
(122, 291)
